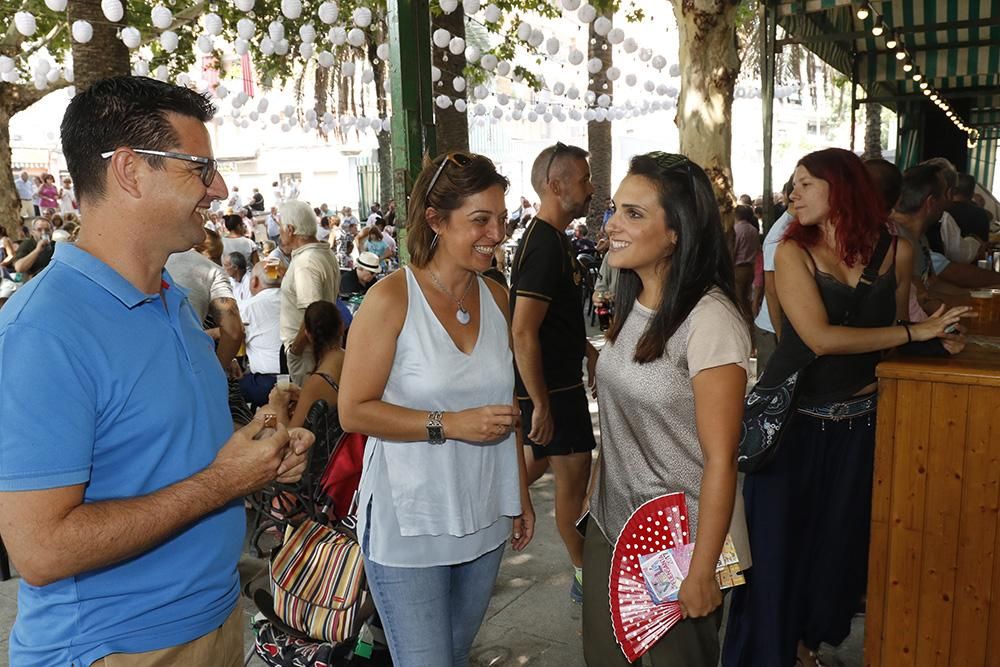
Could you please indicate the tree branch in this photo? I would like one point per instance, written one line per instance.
(18, 97)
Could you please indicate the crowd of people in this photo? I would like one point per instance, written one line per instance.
(163, 325)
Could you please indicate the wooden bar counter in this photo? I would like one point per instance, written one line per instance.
(934, 561)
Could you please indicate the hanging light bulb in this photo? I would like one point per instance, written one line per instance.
(878, 28)
(923, 85)
(907, 66)
(890, 41)
(901, 54)
(927, 92)
(917, 76)
(864, 11)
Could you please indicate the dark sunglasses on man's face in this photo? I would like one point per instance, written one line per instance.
(458, 159)
(209, 166)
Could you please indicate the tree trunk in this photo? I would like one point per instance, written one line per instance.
(321, 91)
(452, 125)
(14, 98)
(709, 64)
(599, 133)
(384, 138)
(873, 131)
(104, 55)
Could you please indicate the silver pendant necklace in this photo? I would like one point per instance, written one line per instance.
(462, 315)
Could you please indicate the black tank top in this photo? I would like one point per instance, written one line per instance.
(837, 377)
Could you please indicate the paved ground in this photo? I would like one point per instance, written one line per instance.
(530, 621)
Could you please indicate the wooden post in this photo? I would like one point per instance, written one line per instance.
(769, 18)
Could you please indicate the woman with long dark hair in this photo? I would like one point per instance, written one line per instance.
(808, 511)
(429, 374)
(672, 378)
(325, 333)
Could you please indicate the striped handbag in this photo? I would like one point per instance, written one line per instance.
(318, 582)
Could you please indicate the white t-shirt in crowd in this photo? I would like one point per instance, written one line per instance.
(241, 290)
(242, 245)
(261, 315)
(203, 279)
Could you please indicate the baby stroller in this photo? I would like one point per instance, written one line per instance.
(294, 628)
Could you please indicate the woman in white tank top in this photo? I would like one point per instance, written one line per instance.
(429, 375)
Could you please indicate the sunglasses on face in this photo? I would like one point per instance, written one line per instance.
(209, 166)
(458, 159)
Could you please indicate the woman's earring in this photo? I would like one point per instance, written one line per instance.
(434, 241)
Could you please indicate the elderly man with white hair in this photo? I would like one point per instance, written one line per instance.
(313, 275)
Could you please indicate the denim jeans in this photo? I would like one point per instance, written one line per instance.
(418, 605)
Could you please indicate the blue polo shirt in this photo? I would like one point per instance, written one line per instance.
(103, 386)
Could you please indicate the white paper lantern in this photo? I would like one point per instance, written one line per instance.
(586, 13)
(131, 37)
(630, 45)
(559, 88)
(25, 23)
(221, 91)
(41, 83)
(306, 50)
(492, 13)
(645, 55)
(574, 114)
(659, 62)
(675, 70)
(532, 116)
(42, 67)
(661, 89)
(575, 56)
(479, 110)
(441, 37)
(382, 51)
(386, 125)
(56, 5)
(328, 12)
(162, 73)
(649, 86)
(245, 28)
(161, 17)
(601, 115)
(281, 47)
(112, 10)
(338, 36)
(540, 108)
(497, 113)
(472, 53)
(266, 46)
(602, 25)
(275, 119)
(276, 30)
(552, 46)
(571, 5)
(594, 65)
(456, 45)
(461, 106)
(503, 68)
(448, 6)
(307, 33)
(183, 79)
(536, 38)
(356, 37)
(573, 92)
(470, 6)
(613, 73)
(590, 97)
(285, 127)
(245, 5)
(362, 17)
(10, 77)
(616, 36)
(348, 69)
(292, 9)
(443, 101)
(603, 100)
(213, 24)
(631, 79)
(241, 46)
(480, 92)
(204, 44)
(516, 114)
(589, 115)
(7, 64)
(367, 75)
(458, 83)
(524, 31)
(435, 74)
(502, 99)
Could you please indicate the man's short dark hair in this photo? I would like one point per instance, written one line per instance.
(123, 111)
(919, 182)
(745, 213)
(887, 178)
(545, 163)
(965, 186)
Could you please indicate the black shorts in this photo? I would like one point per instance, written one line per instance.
(574, 432)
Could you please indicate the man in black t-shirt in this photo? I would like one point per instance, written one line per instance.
(550, 341)
(364, 274)
(971, 219)
(34, 253)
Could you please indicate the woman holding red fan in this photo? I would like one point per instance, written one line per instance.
(672, 379)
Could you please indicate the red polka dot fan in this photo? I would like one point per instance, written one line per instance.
(639, 622)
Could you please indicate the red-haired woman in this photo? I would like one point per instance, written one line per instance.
(808, 511)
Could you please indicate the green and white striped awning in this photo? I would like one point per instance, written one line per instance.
(953, 44)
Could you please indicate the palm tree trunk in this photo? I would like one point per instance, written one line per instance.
(104, 55)
(873, 131)
(599, 133)
(452, 125)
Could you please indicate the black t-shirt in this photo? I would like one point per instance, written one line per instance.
(583, 246)
(972, 220)
(351, 284)
(26, 247)
(545, 268)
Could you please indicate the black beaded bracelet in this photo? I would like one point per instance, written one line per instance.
(909, 337)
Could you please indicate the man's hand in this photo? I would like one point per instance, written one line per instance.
(300, 441)
(542, 426)
(524, 527)
(592, 355)
(246, 465)
(699, 595)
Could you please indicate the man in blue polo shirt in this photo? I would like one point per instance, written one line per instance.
(120, 501)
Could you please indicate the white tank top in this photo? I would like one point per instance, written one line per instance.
(442, 504)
